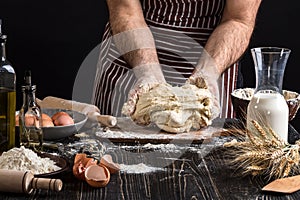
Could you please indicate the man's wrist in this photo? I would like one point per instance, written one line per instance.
(149, 70)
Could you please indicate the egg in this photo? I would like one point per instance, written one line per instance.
(58, 119)
(62, 119)
(58, 114)
(48, 123)
(29, 120)
(46, 117)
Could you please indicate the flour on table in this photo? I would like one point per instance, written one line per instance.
(162, 147)
(138, 168)
(23, 159)
(174, 109)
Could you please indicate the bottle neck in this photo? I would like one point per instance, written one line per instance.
(270, 63)
(29, 97)
(269, 79)
(3, 50)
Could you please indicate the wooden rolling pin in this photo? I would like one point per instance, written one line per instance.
(106, 120)
(90, 110)
(24, 182)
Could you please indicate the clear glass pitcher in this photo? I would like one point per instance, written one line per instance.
(268, 106)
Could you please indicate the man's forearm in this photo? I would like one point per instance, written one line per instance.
(132, 36)
(137, 46)
(228, 43)
(231, 38)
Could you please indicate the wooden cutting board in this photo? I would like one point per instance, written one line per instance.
(127, 131)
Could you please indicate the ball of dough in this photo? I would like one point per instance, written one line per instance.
(174, 109)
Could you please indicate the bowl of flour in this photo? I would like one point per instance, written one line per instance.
(40, 164)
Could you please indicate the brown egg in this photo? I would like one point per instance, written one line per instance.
(58, 114)
(97, 175)
(31, 120)
(62, 119)
(46, 117)
(48, 123)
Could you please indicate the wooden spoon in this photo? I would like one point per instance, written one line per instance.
(284, 185)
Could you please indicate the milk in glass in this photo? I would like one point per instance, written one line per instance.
(268, 106)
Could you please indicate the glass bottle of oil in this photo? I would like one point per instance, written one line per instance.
(30, 117)
(7, 98)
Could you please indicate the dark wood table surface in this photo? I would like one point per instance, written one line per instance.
(175, 171)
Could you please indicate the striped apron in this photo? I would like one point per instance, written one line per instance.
(180, 29)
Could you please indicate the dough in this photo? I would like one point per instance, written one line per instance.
(174, 109)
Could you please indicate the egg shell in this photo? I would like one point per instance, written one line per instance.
(107, 161)
(81, 162)
(97, 175)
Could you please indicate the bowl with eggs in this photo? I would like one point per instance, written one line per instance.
(59, 123)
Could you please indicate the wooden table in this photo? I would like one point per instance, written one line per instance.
(175, 171)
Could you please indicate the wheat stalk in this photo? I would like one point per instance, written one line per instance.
(262, 152)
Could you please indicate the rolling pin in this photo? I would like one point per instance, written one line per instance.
(106, 120)
(90, 110)
(24, 182)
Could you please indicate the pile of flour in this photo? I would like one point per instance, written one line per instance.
(23, 159)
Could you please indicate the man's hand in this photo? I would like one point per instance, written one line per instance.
(206, 75)
(148, 76)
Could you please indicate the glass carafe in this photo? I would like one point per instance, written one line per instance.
(268, 106)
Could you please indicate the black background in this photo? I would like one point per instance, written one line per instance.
(54, 38)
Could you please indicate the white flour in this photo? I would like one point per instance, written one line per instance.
(138, 168)
(162, 147)
(23, 159)
(244, 93)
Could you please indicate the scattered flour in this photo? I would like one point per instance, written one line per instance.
(162, 147)
(23, 159)
(138, 168)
